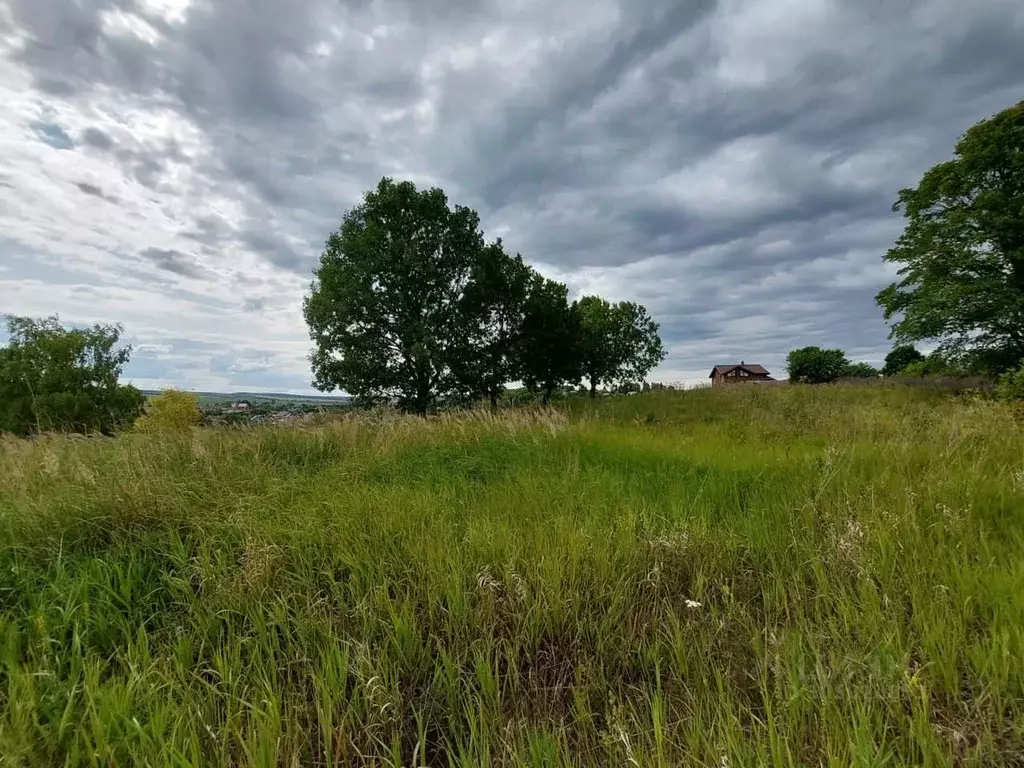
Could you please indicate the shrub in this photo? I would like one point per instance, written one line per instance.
(1011, 384)
(173, 410)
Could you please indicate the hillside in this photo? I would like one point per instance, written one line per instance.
(750, 577)
(209, 398)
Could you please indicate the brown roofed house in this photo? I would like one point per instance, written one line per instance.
(735, 374)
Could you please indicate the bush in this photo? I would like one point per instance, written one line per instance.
(933, 365)
(1011, 385)
(173, 410)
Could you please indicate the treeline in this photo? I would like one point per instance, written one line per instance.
(409, 304)
(814, 365)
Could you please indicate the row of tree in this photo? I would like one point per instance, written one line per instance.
(814, 365)
(409, 304)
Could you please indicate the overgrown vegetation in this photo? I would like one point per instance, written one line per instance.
(54, 378)
(749, 576)
(173, 410)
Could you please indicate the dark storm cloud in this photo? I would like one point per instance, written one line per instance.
(94, 137)
(94, 191)
(170, 260)
(732, 165)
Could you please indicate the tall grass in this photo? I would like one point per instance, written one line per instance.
(784, 576)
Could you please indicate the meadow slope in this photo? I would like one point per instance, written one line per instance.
(784, 576)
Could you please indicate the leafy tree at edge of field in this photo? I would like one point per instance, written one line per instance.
(548, 351)
(619, 343)
(961, 255)
(388, 309)
(57, 378)
(495, 303)
(814, 365)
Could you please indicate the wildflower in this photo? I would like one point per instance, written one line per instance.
(692, 604)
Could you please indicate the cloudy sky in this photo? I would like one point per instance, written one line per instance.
(176, 166)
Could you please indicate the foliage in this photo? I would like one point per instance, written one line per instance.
(899, 357)
(745, 576)
(619, 343)
(1011, 384)
(934, 364)
(548, 351)
(173, 410)
(861, 371)
(409, 304)
(814, 365)
(961, 255)
(53, 378)
(389, 309)
(495, 303)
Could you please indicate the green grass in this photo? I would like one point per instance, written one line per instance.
(784, 576)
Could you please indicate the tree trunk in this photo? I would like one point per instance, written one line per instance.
(547, 396)
(494, 400)
(593, 388)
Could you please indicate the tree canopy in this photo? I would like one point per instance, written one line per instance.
(389, 308)
(549, 353)
(961, 255)
(54, 378)
(900, 357)
(814, 365)
(619, 343)
(410, 304)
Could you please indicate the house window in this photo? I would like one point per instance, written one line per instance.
(744, 373)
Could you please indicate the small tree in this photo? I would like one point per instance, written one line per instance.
(173, 410)
(814, 365)
(899, 358)
(548, 351)
(54, 378)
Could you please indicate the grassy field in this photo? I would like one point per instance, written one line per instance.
(784, 576)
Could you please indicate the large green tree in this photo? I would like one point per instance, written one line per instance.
(961, 255)
(56, 378)
(814, 365)
(495, 306)
(619, 343)
(548, 351)
(389, 310)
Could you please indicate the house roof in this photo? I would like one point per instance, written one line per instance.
(757, 370)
